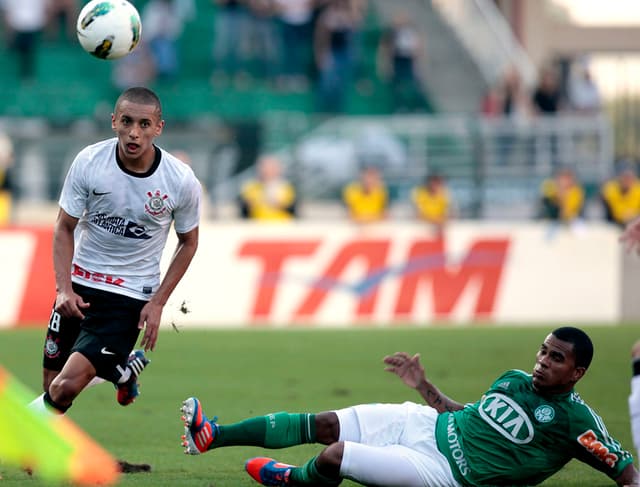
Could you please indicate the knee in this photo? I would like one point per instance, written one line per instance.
(63, 391)
(327, 428)
(330, 459)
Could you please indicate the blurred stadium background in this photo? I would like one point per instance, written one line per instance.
(224, 111)
(469, 45)
(496, 263)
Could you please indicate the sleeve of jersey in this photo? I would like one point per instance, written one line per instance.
(73, 197)
(187, 214)
(594, 446)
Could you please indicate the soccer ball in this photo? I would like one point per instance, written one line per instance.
(109, 29)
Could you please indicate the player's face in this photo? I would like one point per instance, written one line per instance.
(555, 370)
(136, 126)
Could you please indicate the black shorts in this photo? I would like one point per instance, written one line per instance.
(105, 336)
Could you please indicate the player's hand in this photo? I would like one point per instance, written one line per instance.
(150, 317)
(70, 305)
(630, 238)
(407, 367)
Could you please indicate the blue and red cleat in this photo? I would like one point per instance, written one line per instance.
(268, 471)
(199, 432)
(127, 392)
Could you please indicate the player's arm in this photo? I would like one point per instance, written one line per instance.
(68, 303)
(629, 477)
(411, 371)
(151, 313)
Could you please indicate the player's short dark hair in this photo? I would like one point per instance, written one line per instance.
(141, 95)
(582, 345)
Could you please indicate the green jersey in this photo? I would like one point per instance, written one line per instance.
(516, 436)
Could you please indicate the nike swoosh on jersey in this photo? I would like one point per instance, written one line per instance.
(97, 193)
(104, 351)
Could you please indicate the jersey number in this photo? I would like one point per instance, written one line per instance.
(54, 321)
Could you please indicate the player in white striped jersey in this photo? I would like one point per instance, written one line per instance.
(118, 202)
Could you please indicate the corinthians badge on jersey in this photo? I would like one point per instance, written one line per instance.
(51, 348)
(155, 205)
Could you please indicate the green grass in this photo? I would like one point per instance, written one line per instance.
(252, 372)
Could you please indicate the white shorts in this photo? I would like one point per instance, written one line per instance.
(393, 445)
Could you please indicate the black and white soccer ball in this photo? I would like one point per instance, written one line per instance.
(109, 29)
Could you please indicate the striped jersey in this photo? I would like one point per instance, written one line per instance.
(516, 436)
(125, 217)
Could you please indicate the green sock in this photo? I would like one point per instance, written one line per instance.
(308, 474)
(277, 430)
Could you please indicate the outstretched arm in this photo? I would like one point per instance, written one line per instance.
(411, 371)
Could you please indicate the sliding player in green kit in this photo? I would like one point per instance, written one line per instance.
(524, 429)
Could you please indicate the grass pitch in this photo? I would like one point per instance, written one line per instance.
(251, 372)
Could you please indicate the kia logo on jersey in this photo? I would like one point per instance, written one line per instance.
(505, 416)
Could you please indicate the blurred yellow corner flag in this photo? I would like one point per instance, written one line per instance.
(52, 446)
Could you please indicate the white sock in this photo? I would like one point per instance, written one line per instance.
(40, 406)
(94, 382)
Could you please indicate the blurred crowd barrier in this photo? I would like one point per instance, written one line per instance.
(493, 166)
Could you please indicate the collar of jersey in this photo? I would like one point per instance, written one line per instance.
(152, 169)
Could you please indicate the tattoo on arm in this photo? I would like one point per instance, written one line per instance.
(437, 400)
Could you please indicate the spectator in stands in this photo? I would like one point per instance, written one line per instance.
(6, 187)
(269, 197)
(400, 56)
(264, 42)
(25, 20)
(62, 19)
(163, 22)
(491, 103)
(562, 197)
(138, 68)
(231, 41)
(366, 199)
(296, 29)
(515, 103)
(511, 102)
(621, 196)
(432, 202)
(547, 96)
(334, 48)
(584, 94)
(547, 101)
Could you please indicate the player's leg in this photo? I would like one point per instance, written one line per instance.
(281, 430)
(389, 466)
(60, 337)
(276, 430)
(109, 333)
(634, 397)
(380, 444)
(72, 379)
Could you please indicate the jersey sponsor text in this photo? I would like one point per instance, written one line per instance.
(590, 441)
(96, 276)
(120, 226)
(455, 447)
(507, 417)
